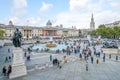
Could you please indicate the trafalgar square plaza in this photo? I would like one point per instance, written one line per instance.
(57, 52)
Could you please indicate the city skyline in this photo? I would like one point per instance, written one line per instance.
(67, 12)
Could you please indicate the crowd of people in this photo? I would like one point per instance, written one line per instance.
(86, 52)
(84, 49)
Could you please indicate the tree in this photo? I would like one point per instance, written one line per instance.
(101, 26)
(116, 31)
(102, 31)
(93, 33)
(108, 32)
(1, 33)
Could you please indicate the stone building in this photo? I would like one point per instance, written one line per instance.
(111, 25)
(30, 32)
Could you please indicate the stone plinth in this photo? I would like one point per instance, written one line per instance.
(18, 66)
(110, 50)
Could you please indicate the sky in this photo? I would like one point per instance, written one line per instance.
(66, 12)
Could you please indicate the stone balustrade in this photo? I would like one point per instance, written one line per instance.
(111, 51)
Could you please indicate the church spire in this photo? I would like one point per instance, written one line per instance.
(92, 17)
(92, 23)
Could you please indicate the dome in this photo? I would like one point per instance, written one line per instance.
(10, 23)
(49, 22)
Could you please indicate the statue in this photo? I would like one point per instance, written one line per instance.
(17, 38)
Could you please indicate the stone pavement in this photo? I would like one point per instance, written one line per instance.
(73, 70)
(76, 70)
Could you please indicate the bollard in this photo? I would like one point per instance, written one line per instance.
(36, 66)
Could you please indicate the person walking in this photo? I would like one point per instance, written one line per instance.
(94, 50)
(86, 66)
(116, 57)
(4, 70)
(99, 54)
(8, 50)
(60, 64)
(9, 58)
(92, 59)
(9, 70)
(65, 59)
(89, 52)
(50, 57)
(80, 56)
(25, 54)
(103, 58)
(6, 59)
(109, 56)
(28, 57)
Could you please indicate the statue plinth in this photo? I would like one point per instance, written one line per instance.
(18, 66)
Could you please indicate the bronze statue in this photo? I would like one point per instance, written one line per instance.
(17, 38)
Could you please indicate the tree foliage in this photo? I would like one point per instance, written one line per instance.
(1, 33)
(104, 31)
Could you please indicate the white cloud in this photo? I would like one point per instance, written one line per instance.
(81, 16)
(18, 11)
(0, 21)
(86, 5)
(33, 21)
(115, 3)
(77, 3)
(45, 6)
(20, 4)
(19, 8)
(82, 20)
(74, 19)
(107, 17)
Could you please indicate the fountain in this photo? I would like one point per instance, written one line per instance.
(51, 44)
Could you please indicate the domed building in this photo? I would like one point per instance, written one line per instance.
(30, 32)
(10, 23)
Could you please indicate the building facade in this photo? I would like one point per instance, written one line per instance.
(111, 25)
(30, 32)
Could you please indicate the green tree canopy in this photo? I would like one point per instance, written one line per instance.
(1, 33)
(106, 31)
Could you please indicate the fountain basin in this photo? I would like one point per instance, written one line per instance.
(43, 46)
(50, 45)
